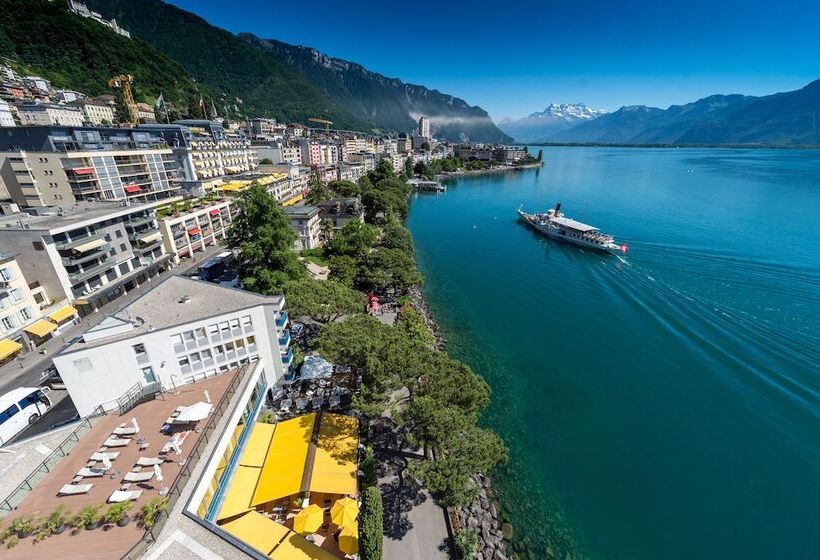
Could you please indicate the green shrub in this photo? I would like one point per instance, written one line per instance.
(369, 467)
(467, 544)
(370, 525)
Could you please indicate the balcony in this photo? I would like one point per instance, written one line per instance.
(284, 339)
(282, 320)
(287, 359)
(143, 249)
(137, 234)
(75, 259)
(83, 275)
(137, 221)
(76, 241)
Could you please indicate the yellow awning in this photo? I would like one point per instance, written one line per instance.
(62, 314)
(257, 531)
(238, 494)
(151, 237)
(285, 462)
(257, 445)
(233, 186)
(90, 245)
(81, 301)
(292, 201)
(9, 347)
(41, 328)
(296, 547)
(334, 465)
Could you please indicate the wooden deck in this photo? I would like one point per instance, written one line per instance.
(114, 542)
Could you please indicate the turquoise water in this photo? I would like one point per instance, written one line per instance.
(660, 405)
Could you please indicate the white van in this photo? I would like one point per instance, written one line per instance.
(20, 408)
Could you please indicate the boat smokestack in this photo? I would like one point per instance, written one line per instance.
(558, 209)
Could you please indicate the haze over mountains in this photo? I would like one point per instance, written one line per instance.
(789, 118)
(293, 83)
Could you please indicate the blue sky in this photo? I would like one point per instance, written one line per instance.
(515, 58)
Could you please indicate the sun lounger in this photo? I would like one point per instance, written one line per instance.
(178, 438)
(125, 431)
(124, 496)
(116, 442)
(149, 461)
(99, 456)
(73, 489)
(85, 472)
(138, 476)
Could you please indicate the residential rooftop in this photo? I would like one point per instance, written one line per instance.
(174, 301)
(59, 219)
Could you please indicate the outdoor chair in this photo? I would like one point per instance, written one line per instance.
(125, 431)
(99, 456)
(74, 489)
(116, 442)
(149, 461)
(85, 472)
(124, 496)
(138, 476)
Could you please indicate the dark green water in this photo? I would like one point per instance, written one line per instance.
(663, 405)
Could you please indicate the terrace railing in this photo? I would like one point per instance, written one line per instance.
(137, 394)
(176, 487)
(18, 494)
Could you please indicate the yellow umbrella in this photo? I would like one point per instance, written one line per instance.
(309, 519)
(344, 512)
(349, 539)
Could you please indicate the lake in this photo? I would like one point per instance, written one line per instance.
(663, 404)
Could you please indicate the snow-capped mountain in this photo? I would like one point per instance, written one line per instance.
(542, 124)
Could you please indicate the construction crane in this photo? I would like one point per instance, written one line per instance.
(325, 122)
(123, 82)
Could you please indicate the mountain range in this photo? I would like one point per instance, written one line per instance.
(782, 119)
(293, 83)
(543, 124)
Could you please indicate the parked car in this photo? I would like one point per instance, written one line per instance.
(51, 378)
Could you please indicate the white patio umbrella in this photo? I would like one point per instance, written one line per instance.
(158, 473)
(106, 461)
(194, 413)
(134, 423)
(177, 449)
(207, 396)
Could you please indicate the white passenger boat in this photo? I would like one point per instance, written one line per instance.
(555, 225)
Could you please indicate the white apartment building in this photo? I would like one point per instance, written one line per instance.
(21, 305)
(88, 253)
(96, 112)
(354, 145)
(6, 116)
(37, 83)
(49, 114)
(351, 171)
(424, 128)
(191, 231)
(306, 221)
(180, 331)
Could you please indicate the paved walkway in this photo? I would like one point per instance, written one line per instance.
(414, 526)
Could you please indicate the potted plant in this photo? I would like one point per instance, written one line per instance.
(88, 518)
(150, 511)
(118, 514)
(22, 526)
(53, 524)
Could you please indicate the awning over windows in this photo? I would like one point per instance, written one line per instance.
(214, 212)
(62, 314)
(194, 231)
(151, 237)
(41, 328)
(284, 466)
(90, 245)
(258, 531)
(8, 348)
(334, 463)
(132, 188)
(82, 170)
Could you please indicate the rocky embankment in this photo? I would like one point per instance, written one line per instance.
(482, 515)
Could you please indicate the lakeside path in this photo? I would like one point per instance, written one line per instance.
(492, 170)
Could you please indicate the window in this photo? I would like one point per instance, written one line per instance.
(38, 245)
(8, 322)
(246, 321)
(200, 332)
(8, 413)
(7, 274)
(251, 340)
(239, 343)
(213, 330)
(118, 233)
(139, 349)
(224, 327)
(25, 314)
(206, 354)
(17, 295)
(176, 339)
(229, 347)
(188, 336)
(148, 375)
(195, 359)
(122, 246)
(234, 323)
(219, 350)
(184, 362)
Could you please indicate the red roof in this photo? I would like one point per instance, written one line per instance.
(214, 212)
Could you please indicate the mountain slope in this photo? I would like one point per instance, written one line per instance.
(388, 103)
(80, 54)
(293, 83)
(265, 84)
(788, 118)
(553, 119)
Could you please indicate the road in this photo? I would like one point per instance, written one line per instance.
(27, 370)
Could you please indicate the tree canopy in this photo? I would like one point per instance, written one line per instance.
(262, 235)
(354, 239)
(322, 301)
